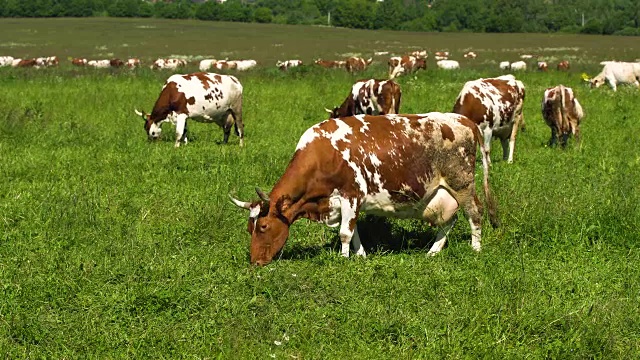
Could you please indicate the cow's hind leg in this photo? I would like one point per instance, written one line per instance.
(554, 136)
(473, 210)
(348, 229)
(441, 238)
(238, 126)
(356, 245)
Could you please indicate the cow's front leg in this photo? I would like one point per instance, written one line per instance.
(348, 226)
(488, 135)
(181, 129)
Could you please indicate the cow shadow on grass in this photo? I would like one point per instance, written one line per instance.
(377, 234)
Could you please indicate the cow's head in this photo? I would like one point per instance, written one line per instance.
(153, 130)
(268, 226)
(596, 81)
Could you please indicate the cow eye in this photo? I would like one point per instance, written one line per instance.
(264, 227)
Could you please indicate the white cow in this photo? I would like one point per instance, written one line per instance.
(207, 64)
(242, 65)
(99, 64)
(616, 73)
(6, 60)
(505, 65)
(448, 64)
(518, 65)
(284, 65)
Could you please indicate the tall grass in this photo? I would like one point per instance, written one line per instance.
(115, 247)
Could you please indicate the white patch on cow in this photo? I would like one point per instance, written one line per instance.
(307, 137)
(155, 130)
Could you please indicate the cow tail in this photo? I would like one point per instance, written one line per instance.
(490, 201)
(564, 122)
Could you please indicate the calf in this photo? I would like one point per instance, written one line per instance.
(406, 166)
(495, 105)
(204, 97)
(354, 64)
(563, 113)
(405, 64)
(371, 97)
(616, 73)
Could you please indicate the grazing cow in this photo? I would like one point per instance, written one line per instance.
(505, 65)
(448, 64)
(6, 60)
(405, 64)
(371, 97)
(133, 63)
(24, 63)
(563, 65)
(470, 55)
(170, 64)
(406, 166)
(116, 63)
(543, 66)
(441, 55)
(378, 53)
(243, 65)
(99, 64)
(495, 104)
(330, 64)
(207, 64)
(354, 64)
(616, 73)
(203, 97)
(47, 61)
(518, 65)
(284, 65)
(563, 113)
(225, 65)
(79, 61)
(419, 54)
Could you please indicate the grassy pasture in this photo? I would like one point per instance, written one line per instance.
(114, 247)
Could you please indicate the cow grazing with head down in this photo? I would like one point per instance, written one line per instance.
(563, 65)
(405, 65)
(563, 113)
(495, 105)
(448, 64)
(207, 64)
(284, 65)
(204, 97)
(406, 166)
(330, 64)
(79, 61)
(543, 66)
(6, 60)
(170, 63)
(355, 63)
(132, 63)
(615, 73)
(371, 97)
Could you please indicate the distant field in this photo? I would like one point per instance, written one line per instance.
(112, 246)
(267, 43)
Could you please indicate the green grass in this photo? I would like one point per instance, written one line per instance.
(115, 247)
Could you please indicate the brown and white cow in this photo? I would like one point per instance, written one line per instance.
(330, 64)
(99, 64)
(405, 64)
(563, 113)
(170, 63)
(284, 65)
(420, 54)
(406, 166)
(204, 97)
(543, 66)
(79, 61)
(116, 63)
(355, 63)
(225, 65)
(371, 97)
(207, 64)
(133, 63)
(563, 65)
(6, 60)
(47, 61)
(441, 55)
(24, 63)
(470, 55)
(495, 105)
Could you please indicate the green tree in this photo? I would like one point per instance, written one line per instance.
(388, 15)
(358, 14)
(208, 10)
(262, 15)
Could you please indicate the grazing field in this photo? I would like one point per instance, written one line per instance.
(116, 247)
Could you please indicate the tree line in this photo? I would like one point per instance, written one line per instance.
(618, 17)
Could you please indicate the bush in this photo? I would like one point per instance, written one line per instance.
(628, 31)
(262, 15)
(592, 26)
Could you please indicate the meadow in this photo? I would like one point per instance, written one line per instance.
(116, 247)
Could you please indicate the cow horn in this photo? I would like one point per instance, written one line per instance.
(140, 113)
(329, 111)
(238, 203)
(262, 195)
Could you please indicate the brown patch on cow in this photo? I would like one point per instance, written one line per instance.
(447, 133)
(208, 97)
(191, 100)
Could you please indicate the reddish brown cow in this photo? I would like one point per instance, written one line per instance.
(563, 113)
(495, 104)
(407, 166)
(542, 66)
(330, 64)
(405, 64)
(563, 65)
(354, 64)
(116, 63)
(79, 61)
(27, 63)
(371, 97)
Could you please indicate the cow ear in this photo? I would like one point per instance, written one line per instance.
(283, 204)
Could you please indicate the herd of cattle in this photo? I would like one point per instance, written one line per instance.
(367, 157)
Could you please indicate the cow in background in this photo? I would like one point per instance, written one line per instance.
(563, 65)
(371, 97)
(405, 65)
(79, 61)
(495, 105)
(563, 113)
(204, 97)
(284, 65)
(330, 64)
(406, 166)
(207, 64)
(132, 63)
(448, 64)
(542, 66)
(355, 63)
